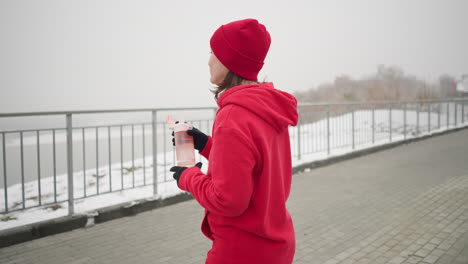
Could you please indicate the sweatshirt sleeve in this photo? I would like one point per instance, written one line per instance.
(228, 188)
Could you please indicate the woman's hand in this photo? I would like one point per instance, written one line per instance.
(199, 138)
(179, 170)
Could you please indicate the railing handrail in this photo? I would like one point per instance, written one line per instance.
(104, 111)
(384, 102)
(115, 125)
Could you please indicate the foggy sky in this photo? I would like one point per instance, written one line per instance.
(109, 54)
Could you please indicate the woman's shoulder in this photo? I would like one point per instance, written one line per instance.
(234, 116)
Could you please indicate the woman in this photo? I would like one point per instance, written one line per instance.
(248, 181)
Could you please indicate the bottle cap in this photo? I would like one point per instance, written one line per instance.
(181, 126)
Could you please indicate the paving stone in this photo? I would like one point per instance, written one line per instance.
(397, 260)
(422, 253)
(414, 259)
(429, 246)
(431, 259)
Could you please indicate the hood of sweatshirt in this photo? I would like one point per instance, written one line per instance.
(277, 108)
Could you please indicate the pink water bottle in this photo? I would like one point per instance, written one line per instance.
(185, 150)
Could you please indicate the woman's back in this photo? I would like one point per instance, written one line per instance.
(261, 115)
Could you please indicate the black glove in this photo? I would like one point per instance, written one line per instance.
(199, 138)
(179, 170)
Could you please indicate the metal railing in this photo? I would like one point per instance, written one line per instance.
(73, 135)
(47, 166)
(324, 128)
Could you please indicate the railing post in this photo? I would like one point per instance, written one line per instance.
(299, 139)
(438, 116)
(110, 157)
(404, 120)
(328, 129)
(71, 207)
(456, 110)
(429, 118)
(352, 125)
(373, 124)
(417, 119)
(390, 121)
(448, 114)
(97, 160)
(155, 153)
(23, 193)
(5, 183)
(463, 112)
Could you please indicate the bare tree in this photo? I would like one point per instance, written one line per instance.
(387, 83)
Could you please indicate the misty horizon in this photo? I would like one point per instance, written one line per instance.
(144, 54)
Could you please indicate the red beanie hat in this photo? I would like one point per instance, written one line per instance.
(242, 46)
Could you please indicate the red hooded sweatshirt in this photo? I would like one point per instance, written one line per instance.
(249, 177)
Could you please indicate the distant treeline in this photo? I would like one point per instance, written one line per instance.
(387, 84)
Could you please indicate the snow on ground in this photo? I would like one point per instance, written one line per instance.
(138, 180)
(137, 184)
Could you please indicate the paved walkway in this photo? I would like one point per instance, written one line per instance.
(404, 205)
